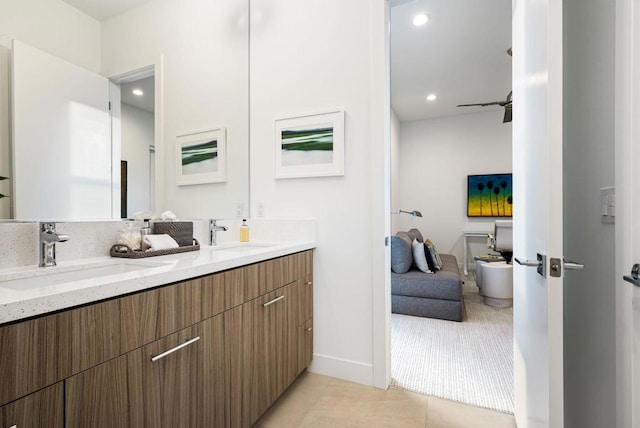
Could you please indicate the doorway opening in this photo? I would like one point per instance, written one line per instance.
(134, 125)
(457, 55)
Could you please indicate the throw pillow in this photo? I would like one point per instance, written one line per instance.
(434, 257)
(430, 261)
(419, 257)
(415, 234)
(401, 253)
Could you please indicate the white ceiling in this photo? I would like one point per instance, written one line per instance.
(145, 101)
(459, 55)
(104, 9)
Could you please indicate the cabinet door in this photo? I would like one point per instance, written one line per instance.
(266, 337)
(305, 345)
(42, 409)
(184, 387)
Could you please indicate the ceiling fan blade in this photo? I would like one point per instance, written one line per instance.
(508, 114)
(492, 103)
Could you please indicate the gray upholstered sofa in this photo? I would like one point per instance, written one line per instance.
(432, 295)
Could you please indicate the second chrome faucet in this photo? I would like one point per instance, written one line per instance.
(213, 229)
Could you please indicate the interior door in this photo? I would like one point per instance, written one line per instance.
(61, 138)
(537, 218)
(627, 247)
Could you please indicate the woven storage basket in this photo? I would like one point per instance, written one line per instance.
(181, 231)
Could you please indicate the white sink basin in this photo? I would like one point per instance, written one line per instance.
(46, 277)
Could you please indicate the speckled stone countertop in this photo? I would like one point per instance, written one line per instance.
(64, 291)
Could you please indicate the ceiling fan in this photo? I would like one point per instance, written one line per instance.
(507, 104)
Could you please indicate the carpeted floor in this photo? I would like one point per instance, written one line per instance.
(469, 361)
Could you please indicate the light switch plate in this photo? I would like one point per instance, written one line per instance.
(607, 205)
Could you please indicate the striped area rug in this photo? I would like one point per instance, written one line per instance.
(470, 361)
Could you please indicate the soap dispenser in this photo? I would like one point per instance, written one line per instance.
(244, 231)
(146, 230)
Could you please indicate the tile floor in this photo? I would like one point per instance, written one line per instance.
(320, 401)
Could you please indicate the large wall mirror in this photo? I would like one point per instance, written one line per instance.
(191, 58)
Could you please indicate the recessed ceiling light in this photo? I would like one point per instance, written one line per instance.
(432, 97)
(420, 19)
(137, 92)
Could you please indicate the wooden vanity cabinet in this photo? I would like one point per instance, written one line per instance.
(91, 366)
(41, 409)
(182, 388)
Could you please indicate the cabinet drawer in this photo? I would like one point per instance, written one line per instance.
(30, 356)
(42, 409)
(150, 315)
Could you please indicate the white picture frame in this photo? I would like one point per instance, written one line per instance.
(310, 145)
(201, 157)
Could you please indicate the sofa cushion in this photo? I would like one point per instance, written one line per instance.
(419, 257)
(444, 284)
(415, 234)
(401, 253)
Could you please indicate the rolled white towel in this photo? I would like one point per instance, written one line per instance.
(160, 242)
(168, 216)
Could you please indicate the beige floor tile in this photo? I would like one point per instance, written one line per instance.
(294, 404)
(449, 414)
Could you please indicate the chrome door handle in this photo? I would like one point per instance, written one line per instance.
(569, 265)
(634, 278)
(540, 263)
(529, 263)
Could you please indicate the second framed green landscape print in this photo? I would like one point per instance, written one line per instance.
(310, 145)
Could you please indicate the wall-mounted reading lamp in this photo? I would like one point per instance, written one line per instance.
(413, 213)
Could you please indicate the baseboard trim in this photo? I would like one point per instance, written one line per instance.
(349, 370)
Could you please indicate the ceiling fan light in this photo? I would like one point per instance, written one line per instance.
(420, 19)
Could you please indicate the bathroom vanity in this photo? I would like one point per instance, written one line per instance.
(205, 339)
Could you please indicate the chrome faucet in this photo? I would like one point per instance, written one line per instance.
(48, 239)
(213, 228)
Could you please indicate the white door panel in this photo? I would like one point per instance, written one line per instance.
(61, 138)
(537, 226)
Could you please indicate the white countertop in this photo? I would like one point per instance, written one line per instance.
(18, 303)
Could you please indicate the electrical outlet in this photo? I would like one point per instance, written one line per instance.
(261, 209)
(239, 209)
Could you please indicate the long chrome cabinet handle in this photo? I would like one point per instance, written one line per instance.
(172, 350)
(271, 302)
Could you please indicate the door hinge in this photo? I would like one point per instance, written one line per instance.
(109, 105)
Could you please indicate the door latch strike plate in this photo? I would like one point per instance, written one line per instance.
(555, 268)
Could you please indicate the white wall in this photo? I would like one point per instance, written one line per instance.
(204, 78)
(436, 156)
(137, 137)
(308, 57)
(395, 172)
(589, 295)
(52, 26)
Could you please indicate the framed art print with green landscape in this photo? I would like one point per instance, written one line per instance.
(201, 157)
(489, 195)
(310, 146)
